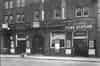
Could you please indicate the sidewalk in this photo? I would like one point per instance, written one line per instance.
(41, 57)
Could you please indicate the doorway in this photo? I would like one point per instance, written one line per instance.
(81, 47)
(37, 44)
(21, 48)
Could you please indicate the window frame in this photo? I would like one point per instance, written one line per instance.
(82, 10)
(59, 11)
(51, 39)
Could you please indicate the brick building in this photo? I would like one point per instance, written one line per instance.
(49, 27)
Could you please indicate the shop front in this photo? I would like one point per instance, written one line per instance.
(75, 40)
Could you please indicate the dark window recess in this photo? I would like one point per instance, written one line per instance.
(53, 43)
(85, 12)
(62, 43)
(36, 15)
(57, 13)
(79, 12)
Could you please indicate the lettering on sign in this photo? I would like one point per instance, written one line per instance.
(78, 27)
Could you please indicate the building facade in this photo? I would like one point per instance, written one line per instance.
(49, 27)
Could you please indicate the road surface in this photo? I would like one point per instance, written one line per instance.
(40, 62)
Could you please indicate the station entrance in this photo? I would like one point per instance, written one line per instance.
(80, 41)
(37, 44)
(81, 47)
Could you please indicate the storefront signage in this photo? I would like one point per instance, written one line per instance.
(36, 24)
(81, 33)
(79, 27)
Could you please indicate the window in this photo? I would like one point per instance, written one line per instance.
(36, 15)
(81, 12)
(85, 11)
(17, 18)
(20, 3)
(20, 18)
(57, 14)
(11, 4)
(57, 38)
(91, 50)
(8, 19)
(8, 4)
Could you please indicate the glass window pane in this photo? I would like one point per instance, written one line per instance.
(18, 3)
(85, 11)
(6, 19)
(18, 18)
(62, 43)
(23, 3)
(6, 5)
(10, 19)
(78, 12)
(91, 44)
(11, 4)
(57, 13)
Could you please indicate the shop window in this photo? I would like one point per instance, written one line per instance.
(57, 39)
(82, 12)
(91, 49)
(68, 44)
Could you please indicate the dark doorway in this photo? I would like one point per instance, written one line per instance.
(81, 47)
(21, 48)
(38, 44)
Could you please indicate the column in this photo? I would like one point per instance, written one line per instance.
(63, 6)
(98, 30)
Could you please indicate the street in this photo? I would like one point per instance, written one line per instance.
(40, 62)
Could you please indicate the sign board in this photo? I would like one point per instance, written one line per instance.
(80, 33)
(36, 24)
(79, 27)
(5, 26)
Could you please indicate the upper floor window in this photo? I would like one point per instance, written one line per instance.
(20, 3)
(20, 18)
(82, 12)
(8, 19)
(8, 4)
(57, 14)
(36, 15)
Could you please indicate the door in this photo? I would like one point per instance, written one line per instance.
(81, 47)
(21, 48)
(37, 44)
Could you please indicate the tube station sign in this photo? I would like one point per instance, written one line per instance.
(79, 27)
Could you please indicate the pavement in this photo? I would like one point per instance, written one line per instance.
(42, 57)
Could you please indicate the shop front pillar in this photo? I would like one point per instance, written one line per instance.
(28, 48)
